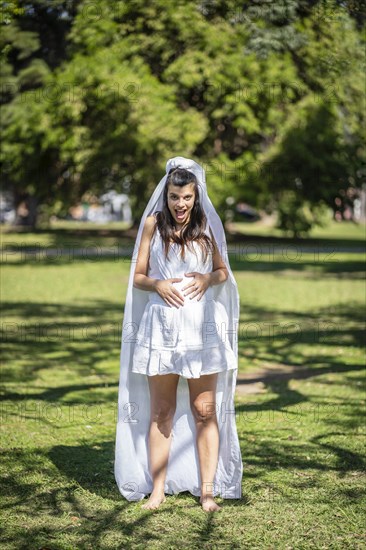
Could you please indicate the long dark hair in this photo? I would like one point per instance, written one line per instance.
(194, 230)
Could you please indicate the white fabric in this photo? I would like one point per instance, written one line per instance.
(186, 340)
(131, 448)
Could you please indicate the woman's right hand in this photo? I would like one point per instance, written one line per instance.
(167, 291)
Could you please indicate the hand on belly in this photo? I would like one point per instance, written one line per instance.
(181, 284)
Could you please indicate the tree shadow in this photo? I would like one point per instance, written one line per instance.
(78, 482)
(55, 334)
(291, 408)
(128, 236)
(52, 495)
(89, 467)
(309, 268)
(265, 333)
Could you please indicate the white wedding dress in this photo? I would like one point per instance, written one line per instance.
(192, 341)
(187, 340)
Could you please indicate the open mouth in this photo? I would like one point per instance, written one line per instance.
(180, 214)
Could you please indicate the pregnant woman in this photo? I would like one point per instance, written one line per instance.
(176, 428)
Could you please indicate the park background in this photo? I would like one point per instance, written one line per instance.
(270, 98)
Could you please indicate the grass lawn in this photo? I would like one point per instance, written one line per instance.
(345, 231)
(72, 235)
(302, 438)
(66, 235)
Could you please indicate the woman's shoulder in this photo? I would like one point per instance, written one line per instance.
(150, 224)
(150, 220)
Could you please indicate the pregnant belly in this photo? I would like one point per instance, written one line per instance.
(179, 285)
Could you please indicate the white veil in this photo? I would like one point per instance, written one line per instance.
(131, 447)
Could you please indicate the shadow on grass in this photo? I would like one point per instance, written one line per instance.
(77, 337)
(61, 234)
(313, 270)
(86, 357)
(262, 259)
(293, 408)
(60, 501)
(82, 337)
(91, 466)
(334, 328)
(71, 491)
(300, 458)
(275, 336)
(69, 480)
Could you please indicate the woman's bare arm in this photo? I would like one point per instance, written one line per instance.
(164, 288)
(141, 280)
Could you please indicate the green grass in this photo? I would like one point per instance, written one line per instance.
(71, 235)
(302, 439)
(345, 231)
(66, 235)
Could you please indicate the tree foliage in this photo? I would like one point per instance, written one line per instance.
(267, 95)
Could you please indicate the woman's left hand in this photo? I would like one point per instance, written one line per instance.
(198, 286)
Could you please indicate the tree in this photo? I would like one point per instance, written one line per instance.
(318, 151)
(125, 85)
(32, 44)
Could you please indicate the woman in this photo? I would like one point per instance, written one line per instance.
(176, 426)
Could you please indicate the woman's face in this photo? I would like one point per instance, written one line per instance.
(180, 202)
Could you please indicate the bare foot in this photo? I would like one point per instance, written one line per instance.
(156, 498)
(208, 504)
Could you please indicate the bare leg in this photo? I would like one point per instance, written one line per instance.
(163, 396)
(203, 400)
